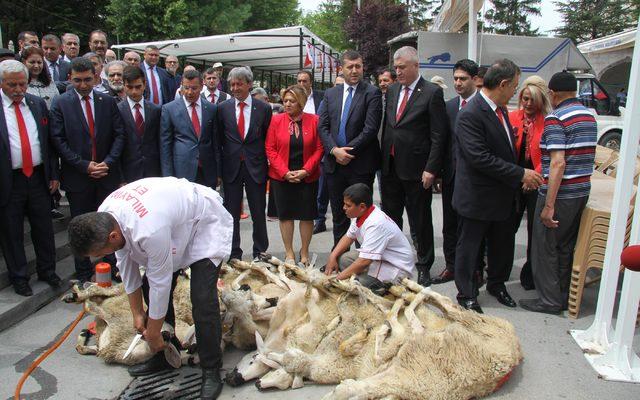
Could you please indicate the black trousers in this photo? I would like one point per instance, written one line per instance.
(528, 203)
(398, 194)
(449, 225)
(83, 202)
(205, 310)
(323, 196)
(29, 197)
(500, 241)
(257, 199)
(337, 182)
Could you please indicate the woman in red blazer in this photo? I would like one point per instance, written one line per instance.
(294, 151)
(528, 124)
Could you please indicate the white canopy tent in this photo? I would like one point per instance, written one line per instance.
(273, 51)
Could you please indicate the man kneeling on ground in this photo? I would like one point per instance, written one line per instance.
(385, 254)
(165, 224)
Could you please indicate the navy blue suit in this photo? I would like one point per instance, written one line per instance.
(141, 155)
(167, 84)
(363, 123)
(182, 153)
(64, 69)
(71, 138)
(245, 165)
(449, 215)
(20, 196)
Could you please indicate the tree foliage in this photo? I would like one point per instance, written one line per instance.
(370, 27)
(422, 12)
(590, 19)
(511, 17)
(328, 22)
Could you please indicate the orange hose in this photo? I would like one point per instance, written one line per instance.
(50, 350)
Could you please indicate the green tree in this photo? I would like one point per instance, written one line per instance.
(422, 12)
(328, 22)
(590, 19)
(266, 14)
(511, 17)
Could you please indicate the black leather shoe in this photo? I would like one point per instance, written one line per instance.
(52, 279)
(424, 279)
(536, 305)
(471, 304)
(319, 227)
(155, 364)
(444, 277)
(504, 298)
(528, 285)
(22, 288)
(211, 384)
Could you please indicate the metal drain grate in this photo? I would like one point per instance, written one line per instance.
(183, 384)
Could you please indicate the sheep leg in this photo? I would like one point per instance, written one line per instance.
(235, 285)
(384, 353)
(409, 312)
(354, 344)
(264, 314)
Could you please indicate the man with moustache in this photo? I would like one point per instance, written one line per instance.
(132, 58)
(58, 69)
(70, 46)
(114, 70)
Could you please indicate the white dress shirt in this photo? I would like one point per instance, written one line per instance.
(168, 224)
(198, 109)
(247, 113)
(468, 99)
(310, 106)
(345, 93)
(494, 106)
(207, 94)
(15, 148)
(132, 105)
(156, 76)
(84, 109)
(402, 91)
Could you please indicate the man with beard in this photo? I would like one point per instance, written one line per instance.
(114, 72)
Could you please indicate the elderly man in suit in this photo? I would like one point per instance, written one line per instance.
(141, 118)
(58, 68)
(487, 181)
(464, 73)
(160, 83)
(210, 90)
(413, 140)
(349, 121)
(70, 46)
(87, 132)
(188, 144)
(28, 175)
(242, 127)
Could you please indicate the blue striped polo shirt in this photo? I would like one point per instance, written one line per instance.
(570, 127)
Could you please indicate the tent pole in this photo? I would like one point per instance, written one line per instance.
(323, 66)
(301, 46)
(472, 51)
(313, 65)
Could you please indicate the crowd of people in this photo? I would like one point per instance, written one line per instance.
(89, 124)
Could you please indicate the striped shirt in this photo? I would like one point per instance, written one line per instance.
(572, 128)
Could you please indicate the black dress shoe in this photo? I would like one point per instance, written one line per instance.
(155, 364)
(504, 298)
(536, 305)
(424, 279)
(319, 227)
(470, 304)
(527, 285)
(211, 384)
(52, 279)
(444, 277)
(22, 288)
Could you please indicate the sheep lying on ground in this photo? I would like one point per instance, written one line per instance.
(411, 344)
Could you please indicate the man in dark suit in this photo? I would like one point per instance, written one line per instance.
(28, 175)
(349, 121)
(314, 97)
(242, 127)
(413, 140)
(87, 132)
(172, 65)
(210, 90)
(158, 79)
(26, 38)
(188, 144)
(487, 181)
(114, 71)
(58, 68)
(141, 118)
(464, 73)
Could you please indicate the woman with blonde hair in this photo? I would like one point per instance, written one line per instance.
(528, 124)
(294, 151)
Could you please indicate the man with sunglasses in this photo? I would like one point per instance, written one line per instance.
(88, 133)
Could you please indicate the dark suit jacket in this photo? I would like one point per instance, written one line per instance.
(141, 156)
(363, 123)
(318, 95)
(181, 150)
(70, 135)
(166, 84)
(64, 70)
(48, 156)
(419, 137)
(449, 165)
(487, 177)
(222, 97)
(252, 148)
(174, 84)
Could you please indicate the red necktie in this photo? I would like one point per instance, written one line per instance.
(213, 98)
(463, 103)
(154, 86)
(403, 104)
(194, 119)
(139, 120)
(25, 145)
(499, 114)
(92, 133)
(241, 120)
